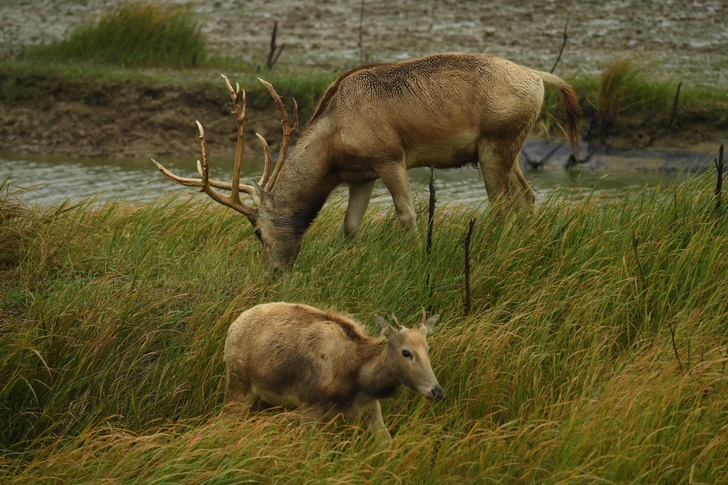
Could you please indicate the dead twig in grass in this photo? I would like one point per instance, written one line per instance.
(531, 163)
(719, 185)
(635, 243)
(431, 211)
(671, 123)
(466, 249)
(430, 223)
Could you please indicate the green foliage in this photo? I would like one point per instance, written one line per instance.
(135, 34)
(113, 318)
(623, 87)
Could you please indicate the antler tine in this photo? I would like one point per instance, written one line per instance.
(288, 130)
(204, 182)
(238, 98)
(268, 161)
(204, 169)
(396, 322)
(424, 315)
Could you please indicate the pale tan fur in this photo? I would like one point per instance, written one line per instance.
(294, 355)
(378, 121)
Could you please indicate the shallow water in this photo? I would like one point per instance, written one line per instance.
(49, 180)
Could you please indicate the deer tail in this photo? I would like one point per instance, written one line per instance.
(571, 105)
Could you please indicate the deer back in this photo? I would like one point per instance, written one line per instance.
(428, 100)
(298, 350)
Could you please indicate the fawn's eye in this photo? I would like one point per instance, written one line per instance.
(258, 235)
(407, 354)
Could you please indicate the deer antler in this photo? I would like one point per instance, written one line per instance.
(288, 130)
(396, 322)
(205, 183)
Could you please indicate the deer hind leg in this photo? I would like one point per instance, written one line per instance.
(359, 196)
(502, 175)
(524, 192)
(394, 176)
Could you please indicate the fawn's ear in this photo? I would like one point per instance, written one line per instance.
(428, 325)
(384, 327)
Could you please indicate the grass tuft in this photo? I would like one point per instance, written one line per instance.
(134, 34)
(623, 87)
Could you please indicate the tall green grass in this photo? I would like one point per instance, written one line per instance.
(134, 34)
(113, 317)
(623, 86)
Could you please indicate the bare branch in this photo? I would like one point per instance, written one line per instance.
(431, 211)
(561, 51)
(645, 287)
(466, 249)
(719, 185)
(275, 52)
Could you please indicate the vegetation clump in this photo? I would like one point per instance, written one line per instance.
(623, 86)
(113, 317)
(134, 35)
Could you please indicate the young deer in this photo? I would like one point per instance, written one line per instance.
(293, 355)
(377, 121)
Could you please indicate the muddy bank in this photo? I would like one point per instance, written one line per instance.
(50, 115)
(83, 119)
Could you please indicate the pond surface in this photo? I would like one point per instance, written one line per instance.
(49, 180)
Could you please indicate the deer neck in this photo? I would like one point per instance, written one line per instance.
(305, 181)
(376, 377)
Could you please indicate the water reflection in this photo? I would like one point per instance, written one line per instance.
(49, 180)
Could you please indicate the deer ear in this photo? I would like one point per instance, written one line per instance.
(427, 325)
(384, 327)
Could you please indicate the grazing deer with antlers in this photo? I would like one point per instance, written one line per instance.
(293, 355)
(377, 121)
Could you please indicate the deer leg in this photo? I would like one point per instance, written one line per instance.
(394, 176)
(359, 196)
(373, 419)
(238, 395)
(502, 176)
(526, 196)
(239, 403)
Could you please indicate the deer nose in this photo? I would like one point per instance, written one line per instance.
(437, 393)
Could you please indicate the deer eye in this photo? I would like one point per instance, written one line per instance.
(407, 354)
(258, 235)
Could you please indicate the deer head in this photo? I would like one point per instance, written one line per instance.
(409, 355)
(279, 244)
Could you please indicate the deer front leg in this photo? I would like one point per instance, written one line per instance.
(372, 414)
(359, 196)
(394, 176)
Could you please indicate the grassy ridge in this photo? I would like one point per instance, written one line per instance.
(623, 88)
(133, 34)
(113, 318)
